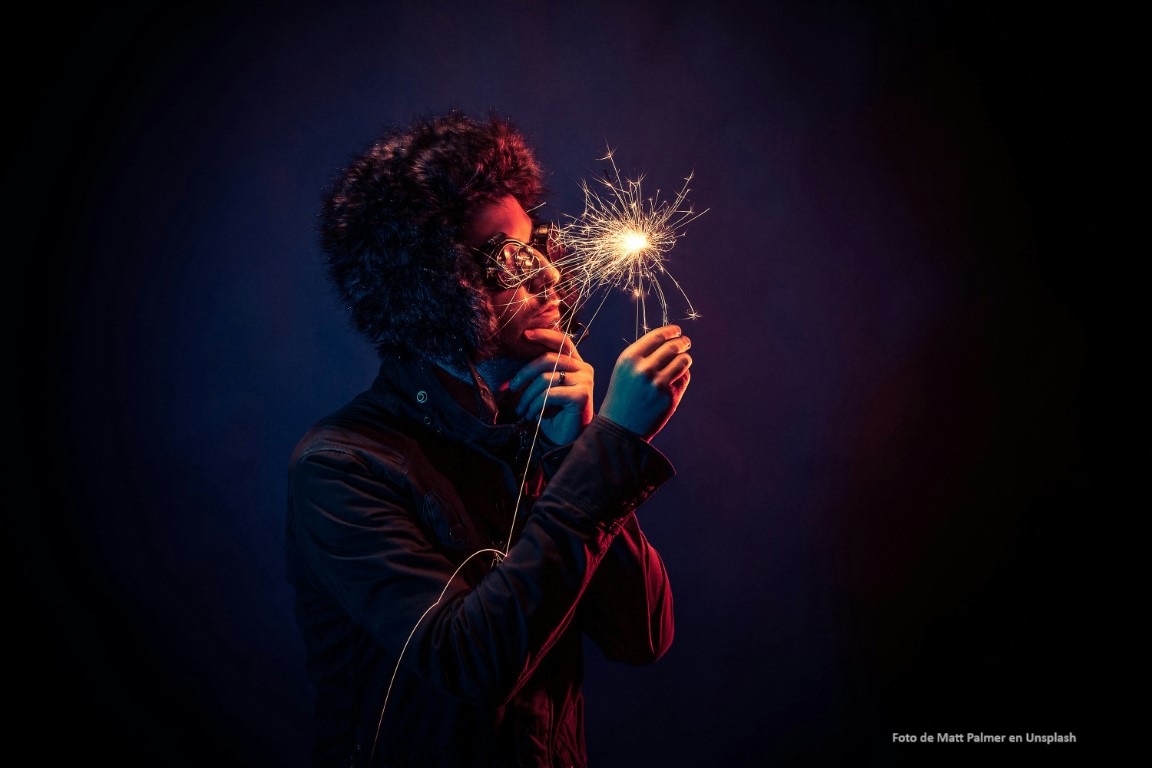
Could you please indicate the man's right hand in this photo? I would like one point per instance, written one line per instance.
(648, 381)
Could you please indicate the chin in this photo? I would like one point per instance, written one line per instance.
(521, 349)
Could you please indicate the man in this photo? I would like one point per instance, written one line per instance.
(456, 529)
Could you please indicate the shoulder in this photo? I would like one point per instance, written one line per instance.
(361, 433)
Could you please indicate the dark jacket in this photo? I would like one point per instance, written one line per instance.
(425, 647)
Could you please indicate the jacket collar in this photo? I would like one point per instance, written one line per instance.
(413, 389)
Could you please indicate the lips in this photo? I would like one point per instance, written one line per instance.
(547, 320)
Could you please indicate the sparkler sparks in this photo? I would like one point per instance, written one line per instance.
(621, 241)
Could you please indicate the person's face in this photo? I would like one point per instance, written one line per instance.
(533, 303)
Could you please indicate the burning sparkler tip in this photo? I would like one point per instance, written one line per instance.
(621, 238)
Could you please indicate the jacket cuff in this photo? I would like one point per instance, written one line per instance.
(609, 471)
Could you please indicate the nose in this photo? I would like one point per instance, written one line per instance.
(546, 277)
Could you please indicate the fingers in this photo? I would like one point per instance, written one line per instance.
(549, 366)
(650, 342)
(556, 376)
(560, 395)
(553, 340)
(660, 354)
(675, 369)
(536, 398)
(562, 384)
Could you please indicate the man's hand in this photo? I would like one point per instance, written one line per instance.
(648, 381)
(559, 383)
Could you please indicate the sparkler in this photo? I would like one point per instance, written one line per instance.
(621, 241)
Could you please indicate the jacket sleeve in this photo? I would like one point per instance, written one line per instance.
(355, 527)
(627, 610)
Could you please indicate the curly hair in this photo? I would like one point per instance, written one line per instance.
(391, 227)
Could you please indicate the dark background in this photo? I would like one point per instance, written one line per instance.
(887, 493)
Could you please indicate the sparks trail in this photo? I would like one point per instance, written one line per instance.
(620, 241)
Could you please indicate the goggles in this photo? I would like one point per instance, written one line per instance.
(509, 263)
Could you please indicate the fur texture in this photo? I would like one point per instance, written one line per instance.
(390, 229)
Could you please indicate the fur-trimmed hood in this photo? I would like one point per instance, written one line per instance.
(390, 230)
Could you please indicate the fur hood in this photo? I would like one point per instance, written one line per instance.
(390, 229)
